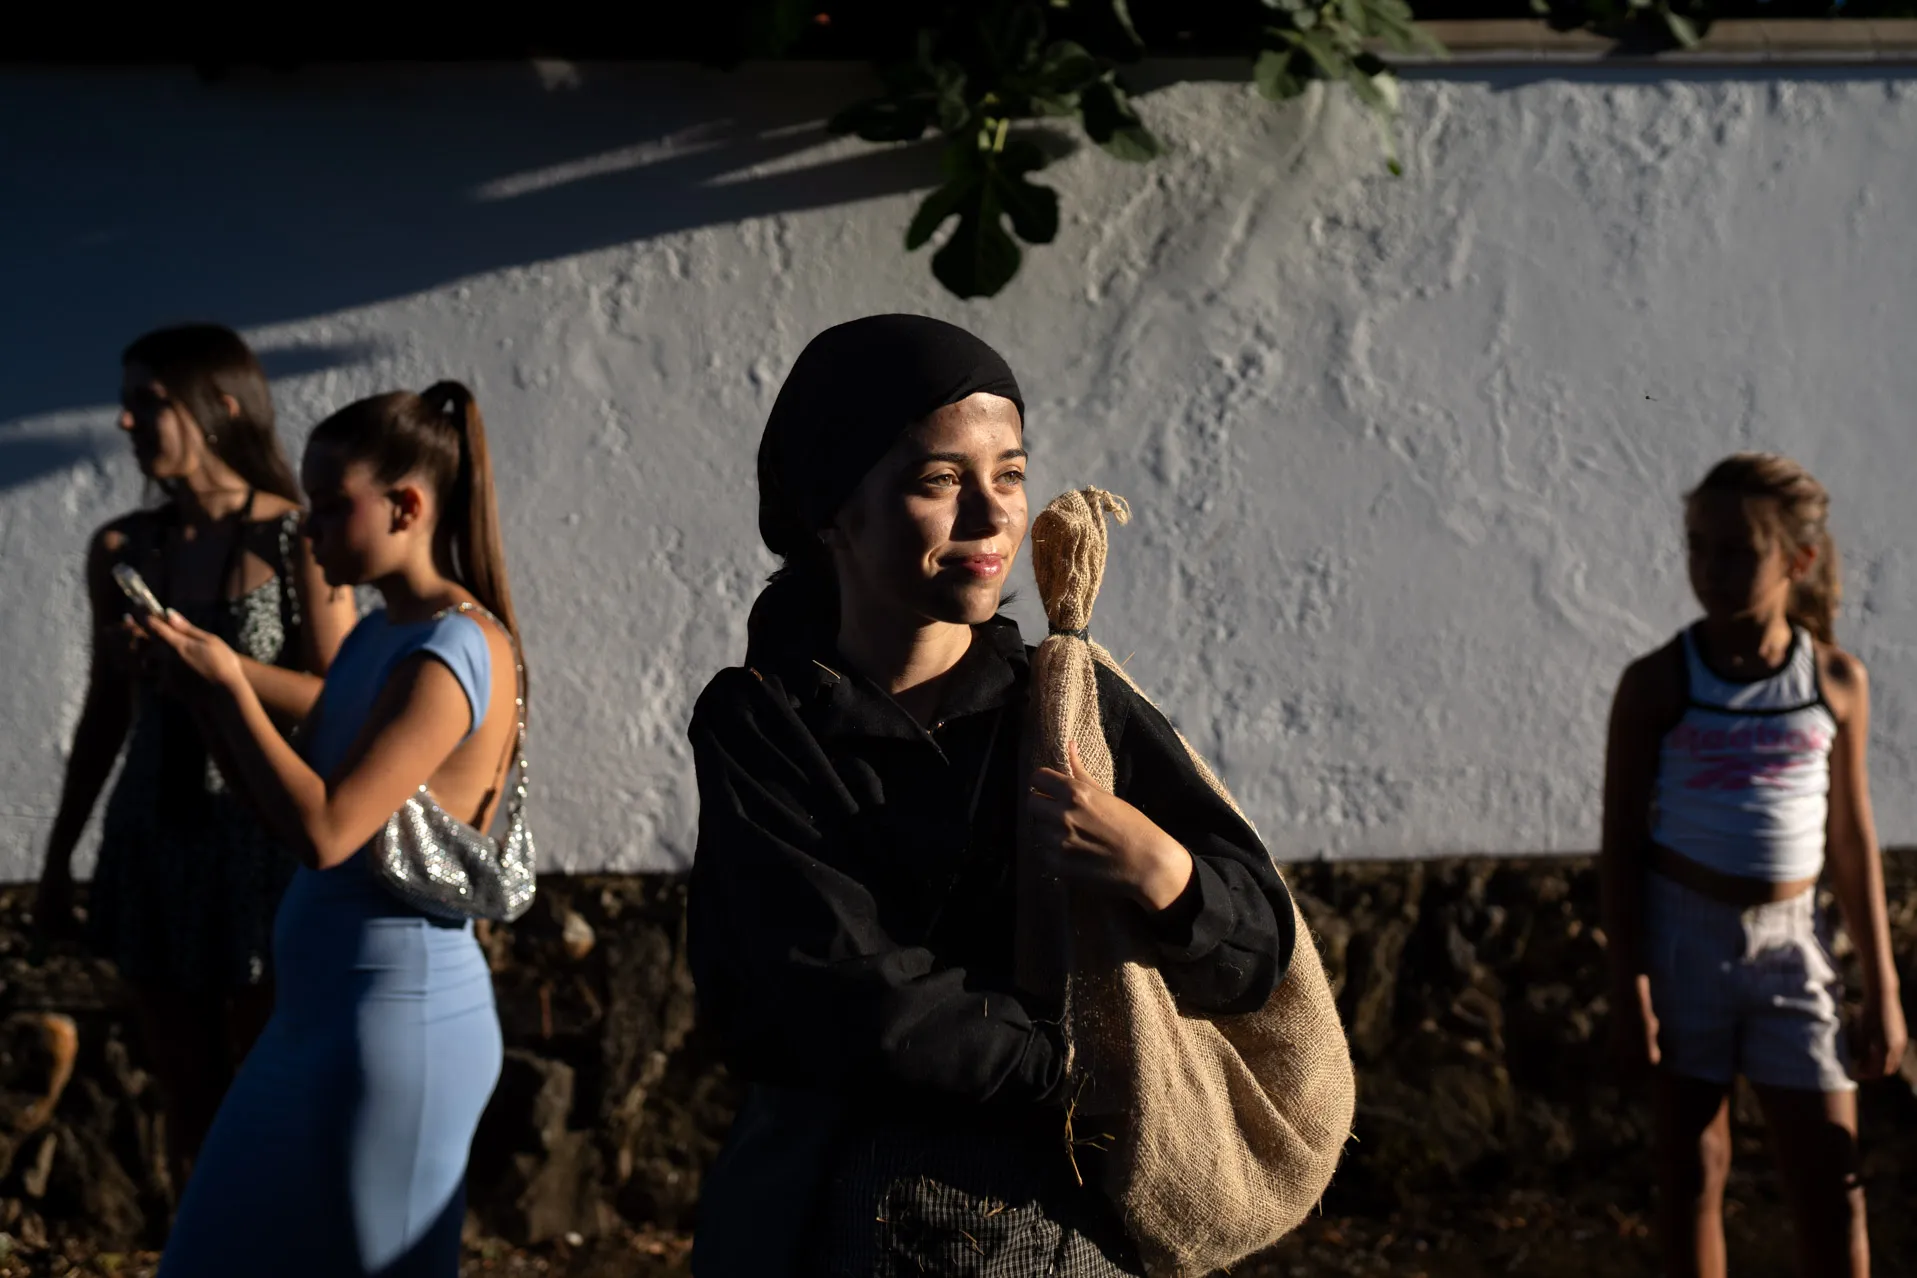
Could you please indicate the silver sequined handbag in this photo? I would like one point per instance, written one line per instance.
(442, 866)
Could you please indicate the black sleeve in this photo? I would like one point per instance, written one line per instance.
(1226, 942)
(792, 969)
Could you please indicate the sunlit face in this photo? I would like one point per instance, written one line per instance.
(350, 520)
(934, 528)
(1738, 566)
(167, 442)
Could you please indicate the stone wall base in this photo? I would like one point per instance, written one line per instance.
(1473, 991)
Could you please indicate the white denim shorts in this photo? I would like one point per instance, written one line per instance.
(1744, 990)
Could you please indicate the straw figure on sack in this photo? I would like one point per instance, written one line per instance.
(1225, 1130)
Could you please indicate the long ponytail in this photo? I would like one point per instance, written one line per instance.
(1784, 497)
(439, 436)
(470, 517)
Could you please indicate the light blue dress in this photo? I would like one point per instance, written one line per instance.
(341, 1148)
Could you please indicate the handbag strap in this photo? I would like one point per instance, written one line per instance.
(516, 802)
(290, 614)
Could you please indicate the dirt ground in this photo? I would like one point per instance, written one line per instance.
(1522, 1234)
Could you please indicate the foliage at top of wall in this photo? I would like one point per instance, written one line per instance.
(981, 74)
(988, 77)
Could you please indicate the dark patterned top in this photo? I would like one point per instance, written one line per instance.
(188, 879)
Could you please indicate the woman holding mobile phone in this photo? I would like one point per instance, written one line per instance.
(341, 1149)
(188, 880)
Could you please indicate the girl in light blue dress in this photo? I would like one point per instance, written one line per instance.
(341, 1149)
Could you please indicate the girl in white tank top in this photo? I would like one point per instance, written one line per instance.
(1734, 776)
(1743, 780)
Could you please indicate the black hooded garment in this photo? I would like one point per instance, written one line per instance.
(852, 914)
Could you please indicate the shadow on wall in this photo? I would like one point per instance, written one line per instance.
(132, 199)
(26, 455)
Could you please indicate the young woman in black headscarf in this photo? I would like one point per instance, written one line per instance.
(853, 895)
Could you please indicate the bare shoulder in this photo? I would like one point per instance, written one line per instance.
(1653, 687)
(505, 659)
(110, 541)
(116, 541)
(504, 656)
(1842, 676)
(269, 508)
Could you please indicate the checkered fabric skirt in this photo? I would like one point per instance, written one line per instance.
(972, 1195)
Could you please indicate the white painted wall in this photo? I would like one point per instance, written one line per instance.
(1405, 453)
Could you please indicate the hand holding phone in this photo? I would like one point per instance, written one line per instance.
(134, 586)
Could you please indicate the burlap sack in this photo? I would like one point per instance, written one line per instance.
(1224, 1130)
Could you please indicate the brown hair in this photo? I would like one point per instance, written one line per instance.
(1783, 497)
(201, 365)
(439, 434)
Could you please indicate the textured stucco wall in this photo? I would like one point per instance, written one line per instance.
(1405, 453)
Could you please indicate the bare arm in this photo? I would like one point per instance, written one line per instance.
(329, 616)
(1857, 866)
(1640, 713)
(331, 612)
(106, 714)
(421, 717)
(288, 695)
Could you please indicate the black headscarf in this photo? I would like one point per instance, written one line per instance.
(854, 390)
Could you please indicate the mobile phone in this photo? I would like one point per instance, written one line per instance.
(136, 589)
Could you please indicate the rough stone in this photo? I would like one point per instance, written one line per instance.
(1474, 992)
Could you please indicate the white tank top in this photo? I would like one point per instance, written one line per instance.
(1743, 780)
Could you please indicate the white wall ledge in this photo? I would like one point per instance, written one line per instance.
(1798, 42)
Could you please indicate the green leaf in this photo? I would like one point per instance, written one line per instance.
(1122, 13)
(1276, 76)
(1021, 36)
(885, 119)
(980, 258)
(1134, 145)
(1369, 91)
(1681, 28)
(986, 190)
(1388, 87)
(1068, 68)
(1394, 24)
(1111, 122)
(962, 158)
(1324, 53)
(1390, 12)
(938, 206)
(954, 107)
